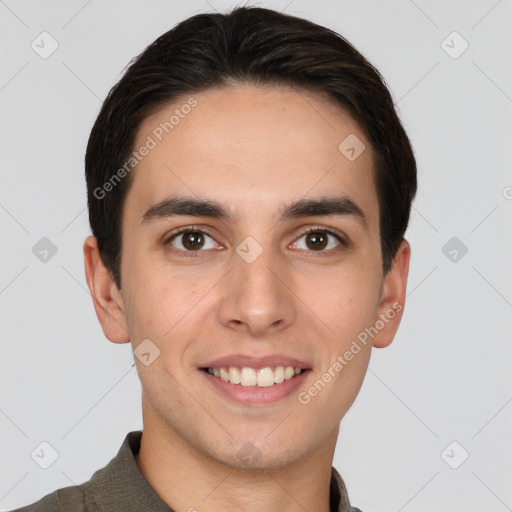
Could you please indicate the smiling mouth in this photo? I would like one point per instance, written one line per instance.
(251, 377)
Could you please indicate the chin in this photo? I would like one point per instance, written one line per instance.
(258, 456)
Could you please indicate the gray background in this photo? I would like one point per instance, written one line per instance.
(447, 375)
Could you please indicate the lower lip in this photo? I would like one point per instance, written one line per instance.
(254, 395)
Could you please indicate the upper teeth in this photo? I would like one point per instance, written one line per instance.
(262, 377)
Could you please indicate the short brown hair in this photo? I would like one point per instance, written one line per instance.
(251, 45)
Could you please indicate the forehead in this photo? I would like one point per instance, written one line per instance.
(252, 149)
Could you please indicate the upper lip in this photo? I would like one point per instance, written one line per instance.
(241, 360)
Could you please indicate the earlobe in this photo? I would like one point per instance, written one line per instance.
(107, 300)
(393, 297)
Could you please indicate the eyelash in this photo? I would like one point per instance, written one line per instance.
(316, 229)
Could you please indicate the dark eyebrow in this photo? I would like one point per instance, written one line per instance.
(184, 205)
(323, 206)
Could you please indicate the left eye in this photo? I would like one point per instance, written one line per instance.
(318, 239)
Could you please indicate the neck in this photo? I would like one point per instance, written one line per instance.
(189, 480)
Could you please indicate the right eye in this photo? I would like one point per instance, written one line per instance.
(189, 240)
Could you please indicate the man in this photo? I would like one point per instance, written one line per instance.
(249, 187)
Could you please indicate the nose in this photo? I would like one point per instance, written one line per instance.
(256, 296)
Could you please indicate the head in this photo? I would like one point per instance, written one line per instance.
(241, 119)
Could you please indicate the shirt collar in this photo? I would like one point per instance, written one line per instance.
(121, 486)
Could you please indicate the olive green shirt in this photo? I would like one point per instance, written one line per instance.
(121, 487)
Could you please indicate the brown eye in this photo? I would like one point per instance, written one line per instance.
(320, 240)
(190, 240)
(317, 240)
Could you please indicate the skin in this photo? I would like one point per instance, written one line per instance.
(253, 149)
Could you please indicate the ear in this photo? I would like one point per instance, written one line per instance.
(392, 299)
(106, 298)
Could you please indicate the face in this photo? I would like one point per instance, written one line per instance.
(254, 290)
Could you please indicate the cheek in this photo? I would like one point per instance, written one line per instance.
(344, 300)
(331, 393)
(160, 306)
(163, 306)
